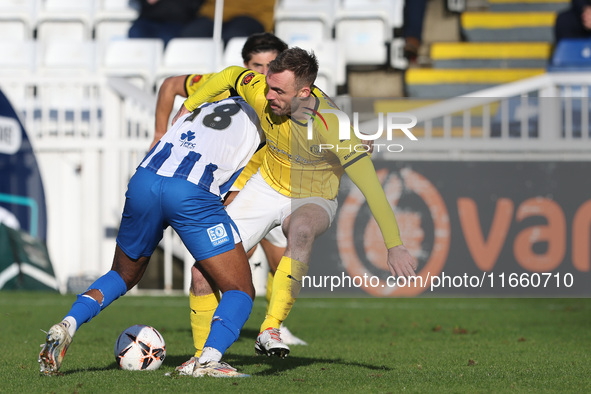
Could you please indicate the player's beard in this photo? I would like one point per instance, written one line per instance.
(279, 110)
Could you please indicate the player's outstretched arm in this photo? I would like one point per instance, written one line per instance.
(363, 174)
(170, 88)
(217, 84)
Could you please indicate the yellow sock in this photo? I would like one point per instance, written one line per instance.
(202, 309)
(269, 291)
(286, 287)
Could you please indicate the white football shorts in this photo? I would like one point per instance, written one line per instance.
(259, 208)
(275, 236)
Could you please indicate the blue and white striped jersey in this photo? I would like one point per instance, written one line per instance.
(210, 146)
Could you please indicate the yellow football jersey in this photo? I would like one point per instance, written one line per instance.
(297, 163)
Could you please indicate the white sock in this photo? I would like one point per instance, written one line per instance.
(72, 325)
(210, 354)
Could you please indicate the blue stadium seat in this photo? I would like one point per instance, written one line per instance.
(571, 55)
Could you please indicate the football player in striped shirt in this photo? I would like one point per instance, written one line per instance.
(179, 184)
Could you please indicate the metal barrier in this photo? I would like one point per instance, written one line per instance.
(547, 114)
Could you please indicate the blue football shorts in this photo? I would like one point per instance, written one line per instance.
(154, 202)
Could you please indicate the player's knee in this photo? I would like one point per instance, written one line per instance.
(130, 270)
(237, 283)
(247, 288)
(301, 235)
(250, 291)
(196, 273)
(199, 284)
(130, 278)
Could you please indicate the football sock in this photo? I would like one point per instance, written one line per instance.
(111, 285)
(71, 324)
(202, 309)
(269, 291)
(210, 354)
(228, 319)
(287, 284)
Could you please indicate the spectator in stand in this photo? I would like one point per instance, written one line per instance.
(414, 15)
(167, 19)
(241, 18)
(574, 22)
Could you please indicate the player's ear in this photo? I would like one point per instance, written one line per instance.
(304, 92)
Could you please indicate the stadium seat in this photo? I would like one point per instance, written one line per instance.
(364, 27)
(571, 55)
(19, 11)
(18, 62)
(14, 30)
(69, 103)
(67, 58)
(304, 29)
(17, 56)
(113, 18)
(332, 68)
(233, 52)
(108, 29)
(363, 40)
(390, 13)
(115, 10)
(305, 19)
(58, 19)
(136, 59)
(61, 30)
(188, 56)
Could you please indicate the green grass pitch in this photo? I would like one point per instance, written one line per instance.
(478, 345)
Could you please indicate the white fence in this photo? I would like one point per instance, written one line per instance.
(88, 138)
(89, 134)
(538, 118)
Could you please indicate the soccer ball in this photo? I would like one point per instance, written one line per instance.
(140, 348)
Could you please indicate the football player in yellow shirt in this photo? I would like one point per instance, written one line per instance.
(297, 183)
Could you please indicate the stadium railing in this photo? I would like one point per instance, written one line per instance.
(546, 114)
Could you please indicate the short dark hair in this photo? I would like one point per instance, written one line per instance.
(262, 42)
(302, 63)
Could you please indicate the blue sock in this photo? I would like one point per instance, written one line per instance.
(228, 319)
(111, 285)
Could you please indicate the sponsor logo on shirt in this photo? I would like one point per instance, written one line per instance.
(247, 78)
(315, 149)
(186, 139)
(218, 235)
(195, 79)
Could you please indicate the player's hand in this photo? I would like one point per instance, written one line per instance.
(368, 143)
(400, 262)
(182, 111)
